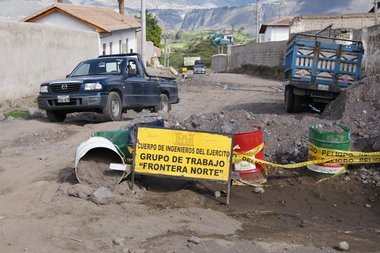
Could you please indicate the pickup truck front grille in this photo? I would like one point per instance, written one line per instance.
(65, 87)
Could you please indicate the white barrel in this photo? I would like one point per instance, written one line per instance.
(94, 143)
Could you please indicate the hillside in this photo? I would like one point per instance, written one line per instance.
(202, 14)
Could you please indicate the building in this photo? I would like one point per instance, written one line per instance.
(117, 33)
(276, 30)
(342, 23)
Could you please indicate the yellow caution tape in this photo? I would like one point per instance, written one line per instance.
(343, 157)
(250, 157)
(334, 175)
(316, 155)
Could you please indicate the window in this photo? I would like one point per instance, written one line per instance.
(120, 49)
(126, 45)
(82, 70)
(99, 67)
(104, 48)
(110, 47)
(132, 68)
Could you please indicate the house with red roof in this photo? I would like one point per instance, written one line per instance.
(276, 30)
(117, 33)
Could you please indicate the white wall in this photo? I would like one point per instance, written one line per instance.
(59, 19)
(276, 33)
(115, 38)
(33, 53)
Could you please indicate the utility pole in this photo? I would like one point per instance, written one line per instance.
(257, 22)
(168, 56)
(375, 10)
(121, 7)
(165, 52)
(143, 31)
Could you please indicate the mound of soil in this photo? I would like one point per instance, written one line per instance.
(358, 108)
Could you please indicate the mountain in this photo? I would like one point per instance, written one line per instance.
(220, 18)
(202, 14)
(244, 16)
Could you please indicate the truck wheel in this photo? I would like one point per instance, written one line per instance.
(289, 99)
(164, 104)
(56, 116)
(292, 102)
(297, 103)
(113, 109)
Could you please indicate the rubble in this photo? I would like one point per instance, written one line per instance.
(343, 246)
(102, 196)
(194, 239)
(80, 191)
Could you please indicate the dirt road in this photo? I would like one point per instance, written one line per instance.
(293, 214)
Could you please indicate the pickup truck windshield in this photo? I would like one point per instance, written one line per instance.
(98, 67)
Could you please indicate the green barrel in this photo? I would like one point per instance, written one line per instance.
(119, 138)
(330, 139)
(328, 136)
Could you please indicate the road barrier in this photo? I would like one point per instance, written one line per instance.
(335, 137)
(250, 172)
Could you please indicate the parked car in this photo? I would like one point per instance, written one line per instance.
(110, 85)
(199, 67)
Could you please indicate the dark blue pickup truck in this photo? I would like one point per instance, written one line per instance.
(110, 85)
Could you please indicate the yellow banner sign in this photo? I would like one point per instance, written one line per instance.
(183, 153)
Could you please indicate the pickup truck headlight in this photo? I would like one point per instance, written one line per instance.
(92, 86)
(44, 89)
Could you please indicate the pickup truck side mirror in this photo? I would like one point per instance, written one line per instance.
(68, 75)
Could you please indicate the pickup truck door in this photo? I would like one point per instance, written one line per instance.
(141, 92)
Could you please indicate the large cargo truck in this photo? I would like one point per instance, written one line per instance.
(317, 69)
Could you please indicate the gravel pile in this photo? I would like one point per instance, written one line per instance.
(358, 108)
(285, 137)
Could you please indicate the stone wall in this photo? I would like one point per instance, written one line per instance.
(269, 54)
(219, 63)
(371, 40)
(33, 53)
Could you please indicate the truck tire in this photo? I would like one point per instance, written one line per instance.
(289, 99)
(297, 103)
(292, 102)
(164, 104)
(113, 109)
(56, 116)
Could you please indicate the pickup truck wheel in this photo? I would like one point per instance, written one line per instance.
(113, 109)
(56, 116)
(164, 104)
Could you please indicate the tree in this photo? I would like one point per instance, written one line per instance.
(153, 30)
